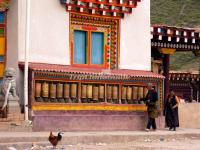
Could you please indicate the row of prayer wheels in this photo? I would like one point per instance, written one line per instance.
(64, 92)
(92, 93)
(52, 90)
(133, 92)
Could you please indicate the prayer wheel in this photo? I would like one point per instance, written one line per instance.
(109, 92)
(129, 92)
(73, 90)
(135, 92)
(89, 91)
(45, 90)
(140, 92)
(95, 95)
(83, 91)
(115, 92)
(52, 90)
(66, 90)
(59, 90)
(124, 92)
(38, 89)
(145, 91)
(101, 92)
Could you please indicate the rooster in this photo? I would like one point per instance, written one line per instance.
(55, 139)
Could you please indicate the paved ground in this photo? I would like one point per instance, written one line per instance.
(183, 139)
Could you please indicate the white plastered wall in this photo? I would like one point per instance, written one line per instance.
(49, 35)
(135, 48)
(49, 32)
(13, 45)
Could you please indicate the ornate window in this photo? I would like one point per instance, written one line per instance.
(93, 41)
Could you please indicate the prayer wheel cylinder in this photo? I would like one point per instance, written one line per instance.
(66, 90)
(95, 93)
(129, 92)
(145, 91)
(52, 90)
(115, 92)
(135, 92)
(59, 90)
(109, 92)
(45, 90)
(101, 92)
(73, 90)
(38, 89)
(89, 91)
(140, 92)
(124, 92)
(83, 91)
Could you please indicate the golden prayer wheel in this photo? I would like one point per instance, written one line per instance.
(45, 90)
(140, 92)
(124, 92)
(109, 92)
(38, 89)
(95, 93)
(129, 92)
(83, 91)
(66, 90)
(101, 92)
(115, 92)
(145, 91)
(73, 90)
(59, 90)
(52, 90)
(135, 92)
(89, 91)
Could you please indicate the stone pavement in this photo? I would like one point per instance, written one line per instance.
(162, 139)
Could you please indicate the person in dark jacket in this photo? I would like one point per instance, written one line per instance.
(151, 103)
(171, 111)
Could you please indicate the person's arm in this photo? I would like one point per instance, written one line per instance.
(177, 102)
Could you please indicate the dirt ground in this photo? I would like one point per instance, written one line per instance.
(147, 144)
(191, 143)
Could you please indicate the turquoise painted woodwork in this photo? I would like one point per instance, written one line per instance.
(80, 47)
(1, 58)
(97, 48)
(2, 17)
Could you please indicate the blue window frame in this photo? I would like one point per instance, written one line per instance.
(88, 48)
(97, 48)
(2, 17)
(80, 49)
(1, 58)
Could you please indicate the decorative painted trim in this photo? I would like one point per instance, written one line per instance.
(114, 8)
(4, 5)
(73, 107)
(181, 39)
(91, 77)
(177, 46)
(108, 25)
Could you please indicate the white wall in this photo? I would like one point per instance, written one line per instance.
(49, 35)
(135, 48)
(12, 43)
(12, 35)
(49, 32)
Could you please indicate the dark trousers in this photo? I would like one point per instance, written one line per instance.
(151, 122)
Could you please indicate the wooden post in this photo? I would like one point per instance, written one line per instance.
(120, 93)
(166, 74)
(105, 93)
(79, 92)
